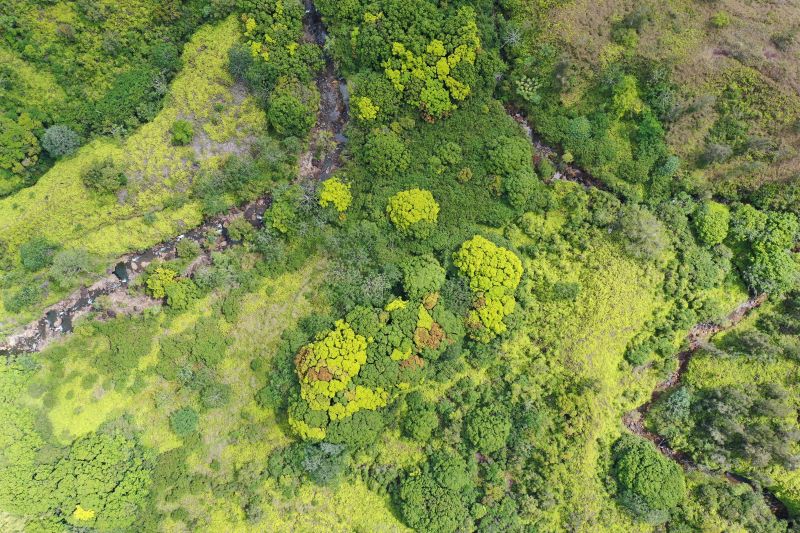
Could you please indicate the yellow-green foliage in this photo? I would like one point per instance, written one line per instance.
(61, 209)
(365, 108)
(413, 207)
(159, 280)
(494, 274)
(337, 193)
(427, 80)
(38, 88)
(325, 367)
(424, 320)
(349, 506)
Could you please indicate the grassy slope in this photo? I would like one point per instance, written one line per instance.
(61, 209)
(266, 313)
(680, 35)
(590, 335)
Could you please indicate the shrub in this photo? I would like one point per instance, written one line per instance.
(240, 230)
(182, 132)
(282, 216)
(649, 484)
(166, 57)
(22, 298)
(414, 212)
(771, 270)
(69, 265)
(60, 141)
(158, 281)
(324, 462)
(37, 254)
(716, 153)
(720, 19)
(711, 223)
(184, 421)
(488, 429)
(643, 234)
(289, 116)
(747, 223)
(19, 147)
(187, 249)
(104, 177)
(180, 293)
(336, 193)
(215, 395)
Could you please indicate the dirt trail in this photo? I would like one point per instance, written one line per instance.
(317, 163)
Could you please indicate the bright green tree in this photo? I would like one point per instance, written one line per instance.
(711, 222)
(494, 274)
(414, 212)
(337, 193)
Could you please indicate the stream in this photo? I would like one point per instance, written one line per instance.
(318, 162)
(699, 336)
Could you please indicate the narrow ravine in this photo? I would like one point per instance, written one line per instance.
(315, 164)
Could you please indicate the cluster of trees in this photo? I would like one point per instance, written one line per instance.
(364, 361)
(278, 66)
(421, 54)
(100, 481)
(494, 274)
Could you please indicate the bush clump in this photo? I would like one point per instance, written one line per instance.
(184, 421)
(182, 132)
(337, 193)
(711, 223)
(60, 141)
(650, 485)
(104, 177)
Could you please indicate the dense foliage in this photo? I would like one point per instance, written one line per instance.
(450, 248)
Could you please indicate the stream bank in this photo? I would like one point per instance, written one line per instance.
(317, 163)
(699, 336)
